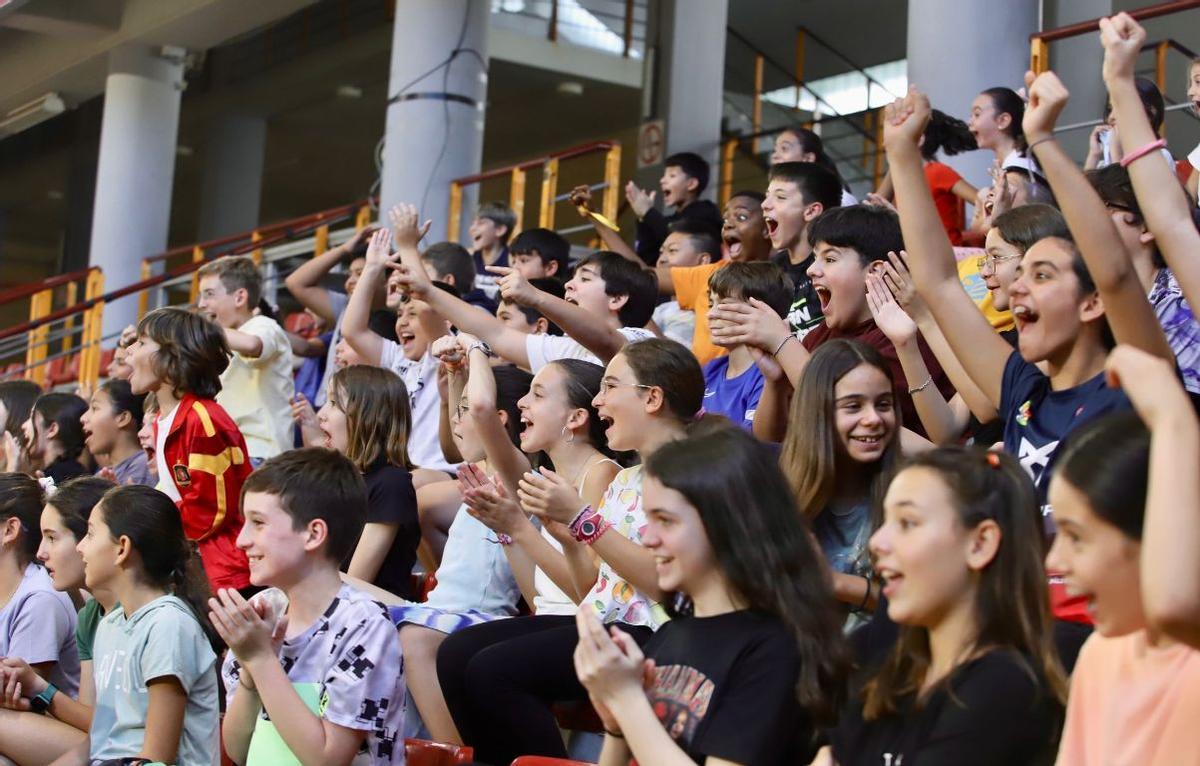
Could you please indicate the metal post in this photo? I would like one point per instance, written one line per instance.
(758, 89)
(454, 224)
(628, 37)
(35, 355)
(612, 177)
(728, 151)
(516, 199)
(549, 191)
(1039, 55)
(68, 340)
(194, 291)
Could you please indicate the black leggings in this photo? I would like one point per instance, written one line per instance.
(500, 679)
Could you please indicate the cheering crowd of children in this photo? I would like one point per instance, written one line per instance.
(805, 480)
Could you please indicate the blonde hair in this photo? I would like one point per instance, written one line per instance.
(378, 418)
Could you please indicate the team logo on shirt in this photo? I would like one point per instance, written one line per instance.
(182, 477)
(1024, 414)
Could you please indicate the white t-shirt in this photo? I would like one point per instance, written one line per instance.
(675, 323)
(166, 484)
(544, 349)
(257, 391)
(420, 378)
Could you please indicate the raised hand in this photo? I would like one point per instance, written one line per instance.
(514, 287)
(1047, 97)
(889, 317)
(1150, 383)
(304, 416)
(581, 197)
(1122, 38)
(641, 201)
(406, 227)
(450, 351)
(379, 250)
(360, 236)
(904, 120)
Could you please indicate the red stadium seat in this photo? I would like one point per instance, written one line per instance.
(421, 752)
(541, 760)
(106, 357)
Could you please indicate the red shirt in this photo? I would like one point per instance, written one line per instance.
(869, 333)
(208, 463)
(941, 180)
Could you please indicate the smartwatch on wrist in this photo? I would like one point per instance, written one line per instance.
(41, 703)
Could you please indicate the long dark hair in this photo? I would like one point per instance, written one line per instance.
(1012, 605)
(763, 547)
(811, 143)
(75, 499)
(1006, 101)
(63, 410)
(1108, 460)
(18, 397)
(124, 400)
(582, 383)
(155, 530)
(512, 383)
(812, 448)
(22, 497)
(946, 134)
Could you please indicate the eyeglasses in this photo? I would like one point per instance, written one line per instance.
(990, 261)
(607, 385)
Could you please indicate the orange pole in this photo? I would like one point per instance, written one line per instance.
(257, 255)
(728, 152)
(93, 322)
(612, 177)
(516, 200)
(363, 219)
(35, 355)
(144, 295)
(1039, 55)
(628, 36)
(197, 257)
(321, 240)
(68, 341)
(454, 225)
(549, 191)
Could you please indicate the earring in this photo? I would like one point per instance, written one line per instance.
(569, 439)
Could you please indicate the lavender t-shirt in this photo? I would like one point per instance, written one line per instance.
(38, 625)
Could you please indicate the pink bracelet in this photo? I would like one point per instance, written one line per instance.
(1147, 149)
(588, 526)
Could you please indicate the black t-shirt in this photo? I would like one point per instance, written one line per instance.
(804, 313)
(725, 688)
(391, 499)
(994, 713)
(652, 230)
(64, 469)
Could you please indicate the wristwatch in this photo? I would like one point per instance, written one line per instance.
(41, 703)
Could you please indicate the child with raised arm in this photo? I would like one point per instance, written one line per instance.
(1060, 319)
(257, 387)
(608, 301)
(200, 455)
(306, 285)
(685, 175)
(314, 674)
(417, 327)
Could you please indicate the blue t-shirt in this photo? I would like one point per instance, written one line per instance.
(1036, 418)
(843, 534)
(735, 398)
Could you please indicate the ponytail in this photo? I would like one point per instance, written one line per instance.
(152, 523)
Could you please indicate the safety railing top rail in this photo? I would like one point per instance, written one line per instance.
(299, 226)
(50, 283)
(565, 154)
(263, 231)
(1039, 59)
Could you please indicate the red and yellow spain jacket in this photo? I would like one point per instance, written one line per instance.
(206, 455)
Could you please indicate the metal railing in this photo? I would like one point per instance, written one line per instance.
(1039, 42)
(549, 166)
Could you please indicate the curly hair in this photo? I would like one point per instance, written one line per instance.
(192, 350)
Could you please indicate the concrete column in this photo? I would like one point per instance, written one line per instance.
(233, 169)
(690, 81)
(957, 48)
(135, 171)
(435, 113)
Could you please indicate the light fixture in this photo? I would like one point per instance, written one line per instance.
(30, 114)
(570, 88)
(349, 91)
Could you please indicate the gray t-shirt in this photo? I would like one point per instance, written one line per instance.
(346, 667)
(38, 625)
(161, 639)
